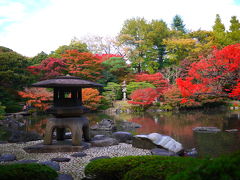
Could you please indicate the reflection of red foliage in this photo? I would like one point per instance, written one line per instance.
(143, 97)
(38, 127)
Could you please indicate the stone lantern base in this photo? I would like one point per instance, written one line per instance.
(79, 127)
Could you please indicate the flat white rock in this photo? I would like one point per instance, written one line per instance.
(166, 142)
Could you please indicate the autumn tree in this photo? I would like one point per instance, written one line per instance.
(83, 64)
(236, 91)
(91, 98)
(133, 34)
(217, 74)
(49, 68)
(143, 97)
(75, 44)
(37, 97)
(156, 79)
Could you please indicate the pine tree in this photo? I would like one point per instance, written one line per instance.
(220, 36)
(234, 30)
(178, 24)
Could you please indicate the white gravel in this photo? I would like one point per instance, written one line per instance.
(75, 166)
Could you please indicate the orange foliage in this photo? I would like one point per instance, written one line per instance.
(91, 98)
(37, 97)
(83, 64)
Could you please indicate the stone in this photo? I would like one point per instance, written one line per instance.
(123, 136)
(105, 124)
(100, 157)
(143, 143)
(27, 161)
(104, 142)
(154, 140)
(22, 136)
(51, 164)
(231, 130)
(129, 125)
(206, 129)
(98, 137)
(60, 159)
(162, 152)
(79, 127)
(79, 154)
(57, 146)
(7, 157)
(64, 177)
(191, 153)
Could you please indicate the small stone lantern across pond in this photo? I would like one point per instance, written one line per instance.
(67, 108)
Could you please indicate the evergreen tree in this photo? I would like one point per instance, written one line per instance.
(178, 24)
(234, 30)
(220, 36)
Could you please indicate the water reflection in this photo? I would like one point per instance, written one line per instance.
(179, 126)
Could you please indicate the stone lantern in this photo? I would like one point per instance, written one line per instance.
(67, 108)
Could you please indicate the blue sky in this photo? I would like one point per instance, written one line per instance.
(32, 26)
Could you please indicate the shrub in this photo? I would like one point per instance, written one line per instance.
(160, 170)
(115, 168)
(137, 167)
(222, 168)
(30, 171)
(2, 111)
(132, 86)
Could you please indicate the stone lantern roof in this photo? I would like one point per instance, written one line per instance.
(66, 81)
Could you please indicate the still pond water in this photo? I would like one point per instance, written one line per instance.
(177, 125)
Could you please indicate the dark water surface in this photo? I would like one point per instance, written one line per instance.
(177, 125)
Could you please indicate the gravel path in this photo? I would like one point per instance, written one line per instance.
(75, 166)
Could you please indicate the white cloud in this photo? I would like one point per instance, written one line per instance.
(59, 22)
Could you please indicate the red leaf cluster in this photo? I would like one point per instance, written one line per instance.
(144, 97)
(156, 79)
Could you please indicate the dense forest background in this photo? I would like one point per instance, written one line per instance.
(168, 67)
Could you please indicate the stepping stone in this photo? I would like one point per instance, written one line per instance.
(104, 142)
(27, 161)
(52, 164)
(162, 152)
(100, 157)
(7, 157)
(64, 177)
(123, 136)
(79, 154)
(59, 159)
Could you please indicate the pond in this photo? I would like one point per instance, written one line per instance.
(178, 125)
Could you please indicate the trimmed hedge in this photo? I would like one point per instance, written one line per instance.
(116, 168)
(222, 168)
(161, 168)
(31, 171)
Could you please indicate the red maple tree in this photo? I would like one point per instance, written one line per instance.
(156, 79)
(143, 97)
(83, 64)
(37, 97)
(216, 74)
(49, 68)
